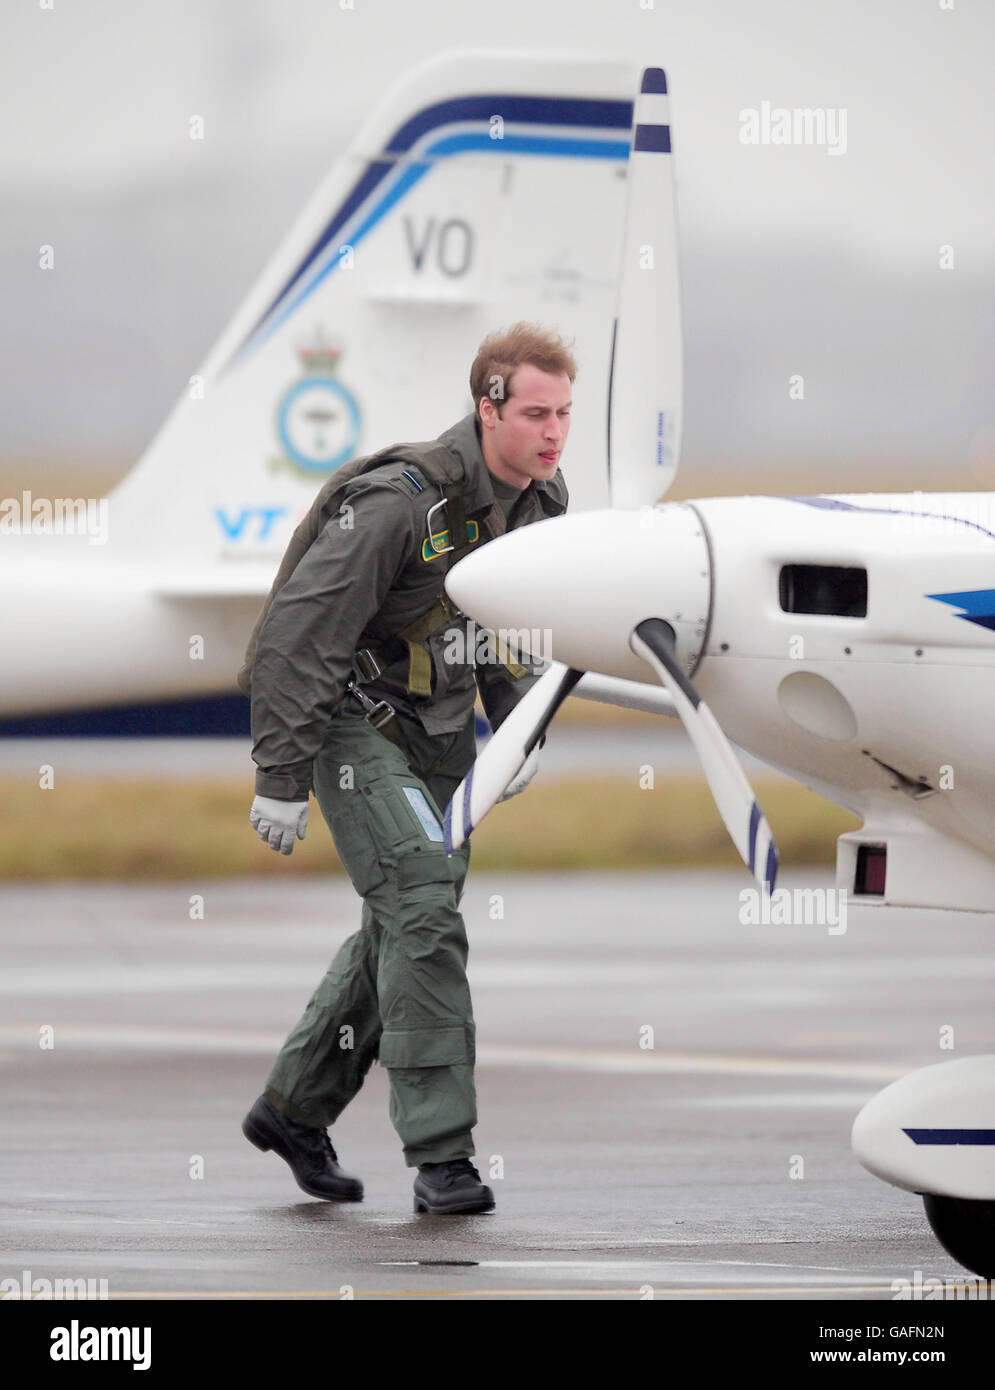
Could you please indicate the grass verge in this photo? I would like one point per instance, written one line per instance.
(156, 829)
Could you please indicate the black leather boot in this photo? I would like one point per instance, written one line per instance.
(308, 1150)
(451, 1188)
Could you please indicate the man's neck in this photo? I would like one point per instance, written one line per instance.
(505, 490)
(496, 468)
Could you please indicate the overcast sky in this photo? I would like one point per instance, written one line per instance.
(101, 90)
(96, 97)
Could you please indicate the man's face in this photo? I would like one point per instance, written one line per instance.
(526, 440)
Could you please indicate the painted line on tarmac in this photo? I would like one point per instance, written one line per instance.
(615, 1060)
(659, 1292)
(659, 1267)
(596, 1264)
(634, 1061)
(148, 975)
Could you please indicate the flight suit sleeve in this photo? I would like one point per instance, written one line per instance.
(307, 643)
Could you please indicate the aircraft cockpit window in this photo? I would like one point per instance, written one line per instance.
(828, 589)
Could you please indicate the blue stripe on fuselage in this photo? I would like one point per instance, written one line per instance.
(979, 1137)
(209, 716)
(601, 114)
(978, 605)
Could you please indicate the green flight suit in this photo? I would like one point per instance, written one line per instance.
(396, 990)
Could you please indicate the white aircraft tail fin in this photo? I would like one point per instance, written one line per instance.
(483, 189)
(648, 357)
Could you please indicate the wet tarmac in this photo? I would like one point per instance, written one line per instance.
(665, 1094)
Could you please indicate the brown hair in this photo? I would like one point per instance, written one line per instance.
(502, 351)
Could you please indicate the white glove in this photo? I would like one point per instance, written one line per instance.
(522, 780)
(279, 821)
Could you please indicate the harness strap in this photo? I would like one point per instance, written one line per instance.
(411, 640)
(456, 517)
(372, 661)
(514, 668)
(383, 717)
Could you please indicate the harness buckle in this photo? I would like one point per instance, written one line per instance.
(369, 666)
(436, 549)
(378, 712)
(381, 713)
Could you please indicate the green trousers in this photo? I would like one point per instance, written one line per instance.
(397, 989)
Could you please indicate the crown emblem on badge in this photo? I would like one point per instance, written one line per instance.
(319, 357)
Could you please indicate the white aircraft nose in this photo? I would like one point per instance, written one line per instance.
(572, 588)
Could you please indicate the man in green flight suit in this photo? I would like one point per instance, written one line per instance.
(362, 684)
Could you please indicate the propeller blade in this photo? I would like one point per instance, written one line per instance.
(747, 825)
(505, 753)
(645, 388)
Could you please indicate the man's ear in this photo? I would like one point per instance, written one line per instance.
(488, 413)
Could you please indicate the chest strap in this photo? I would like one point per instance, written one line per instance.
(371, 662)
(456, 531)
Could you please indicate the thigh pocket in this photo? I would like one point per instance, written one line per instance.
(427, 1047)
(386, 825)
(424, 869)
(402, 815)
